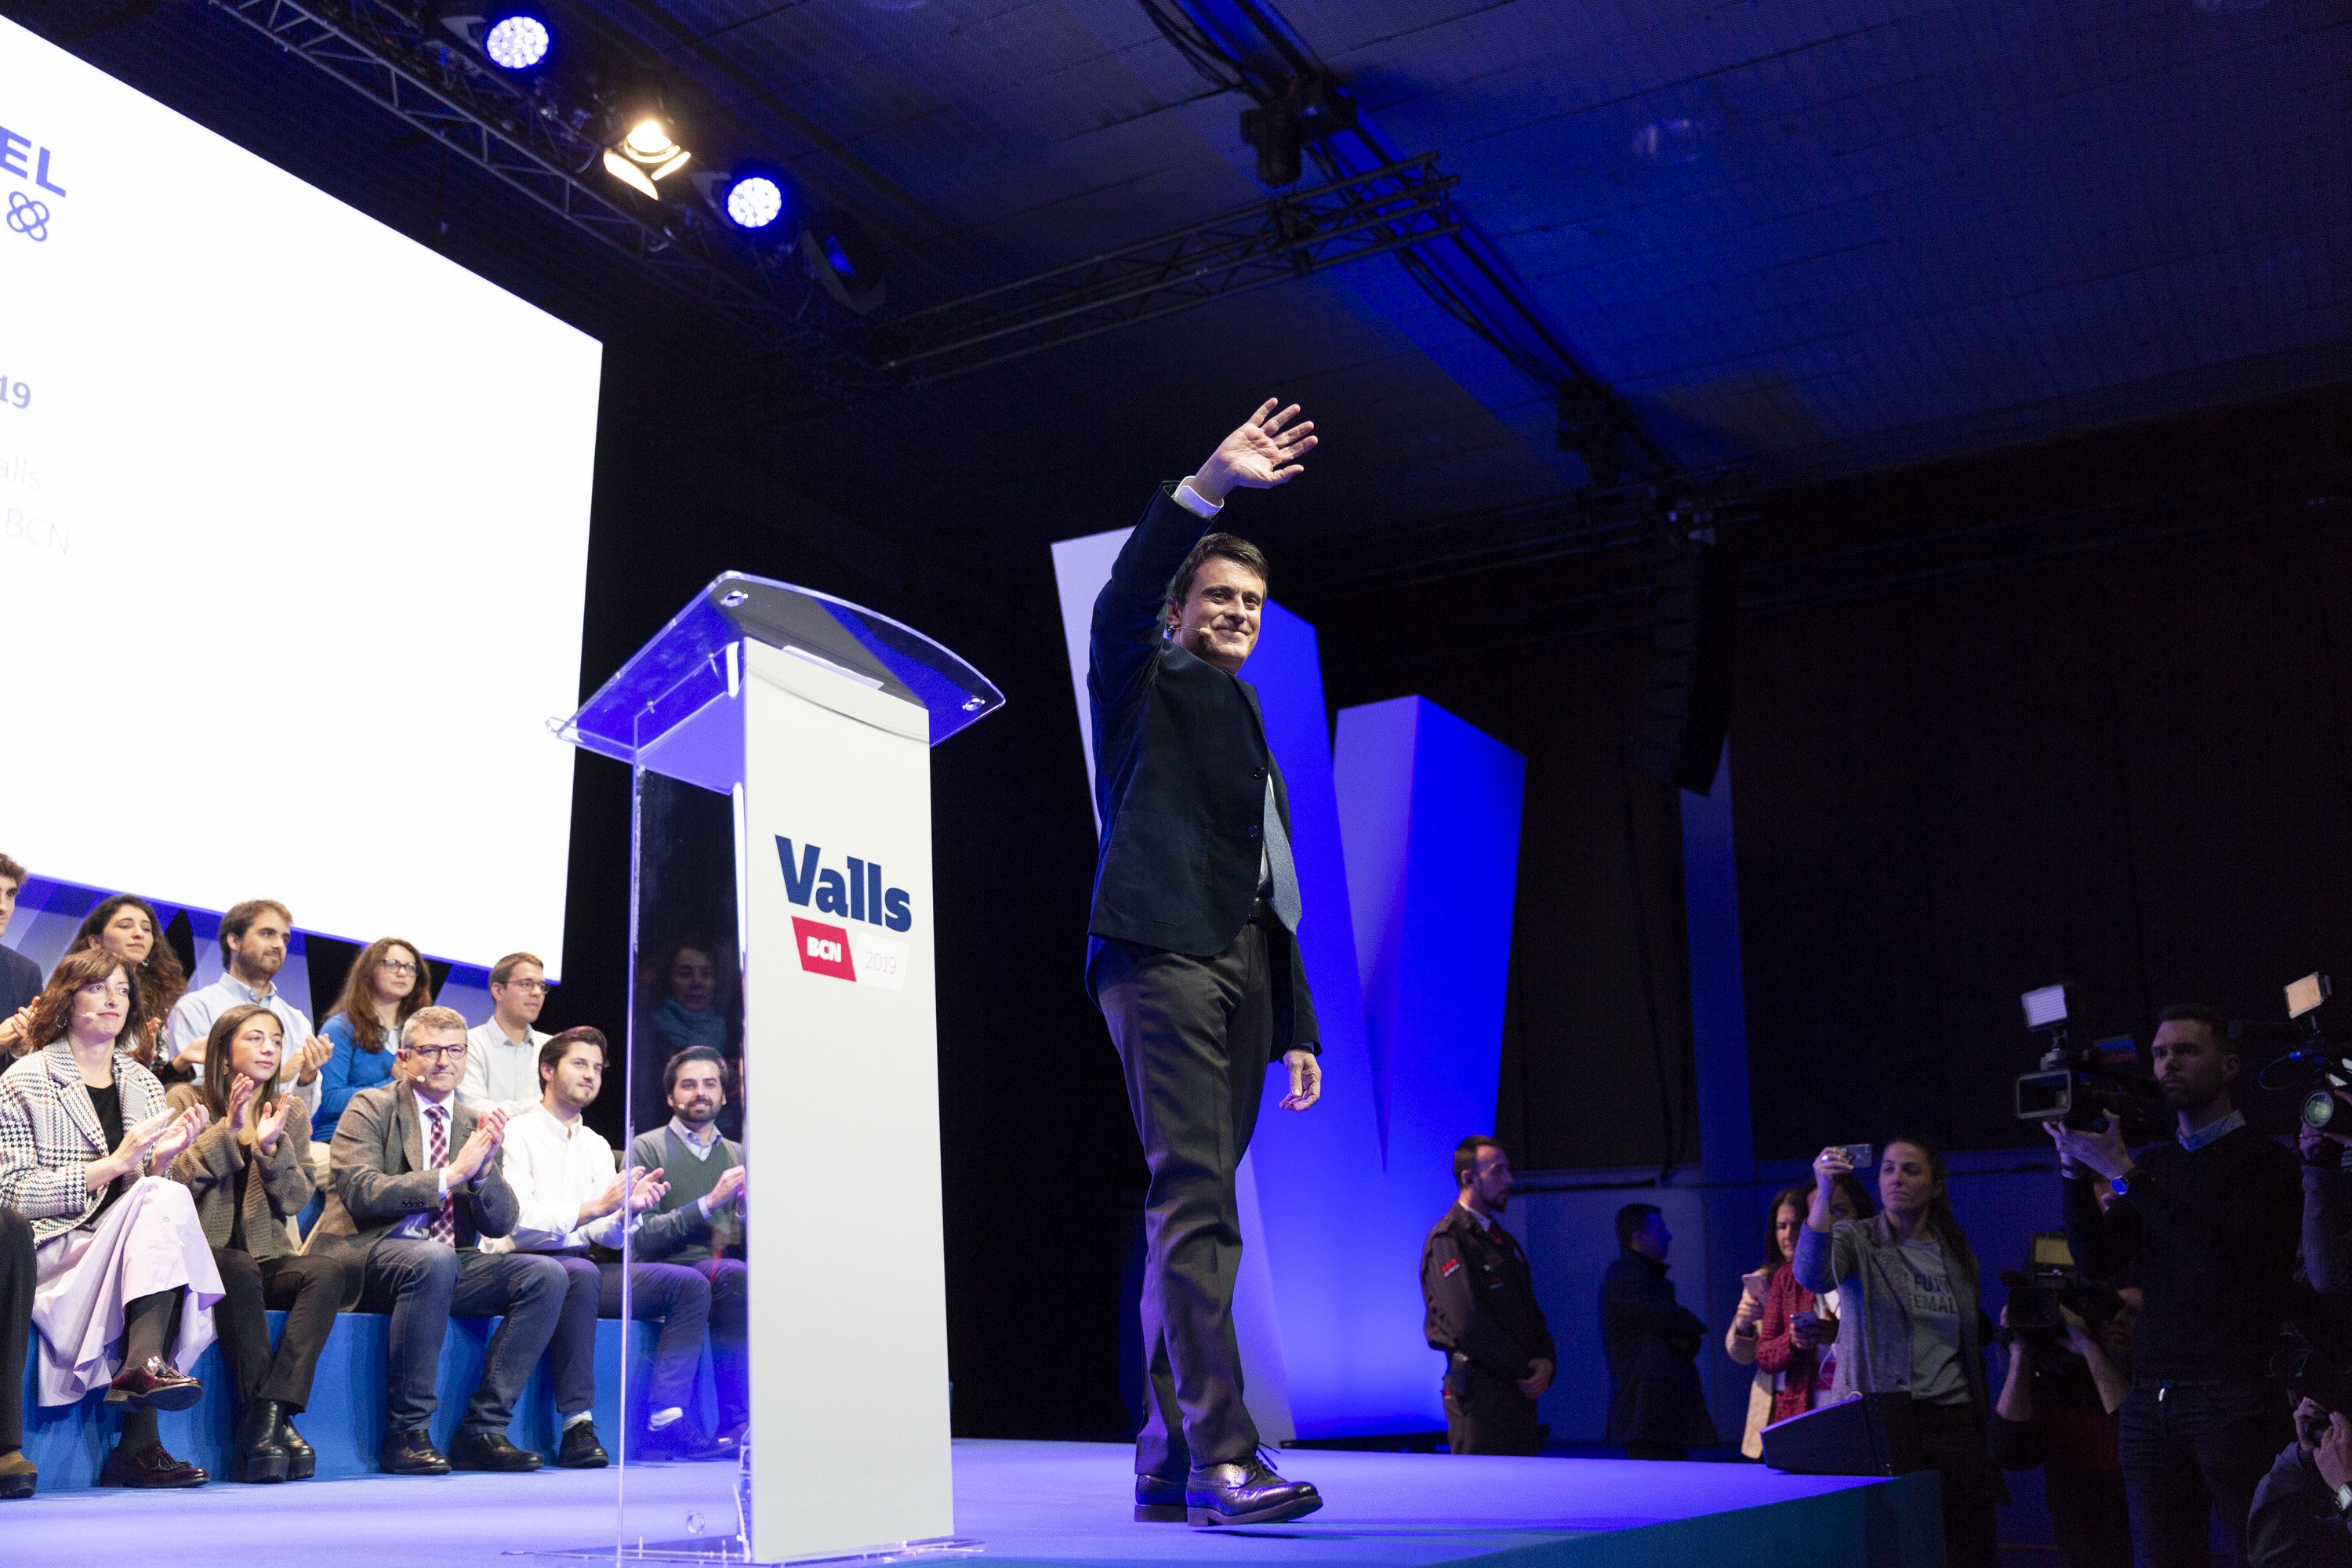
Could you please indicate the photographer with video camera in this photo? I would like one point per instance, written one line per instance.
(2057, 1409)
(2301, 1515)
(2208, 1221)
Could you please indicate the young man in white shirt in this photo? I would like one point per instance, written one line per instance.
(255, 937)
(502, 1053)
(572, 1198)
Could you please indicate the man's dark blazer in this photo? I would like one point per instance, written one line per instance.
(20, 981)
(1180, 770)
(380, 1178)
(1652, 1343)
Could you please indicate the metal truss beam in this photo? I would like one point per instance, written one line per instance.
(1290, 236)
(533, 147)
(808, 358)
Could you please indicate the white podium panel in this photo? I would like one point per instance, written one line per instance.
(849, 1361)
(781, 936)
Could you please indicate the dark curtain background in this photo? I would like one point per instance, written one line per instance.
(2131, 769)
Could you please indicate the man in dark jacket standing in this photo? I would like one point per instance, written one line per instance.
(1656, 1408)
(2210, 1221)
(1192, 956)
(1482, 1312)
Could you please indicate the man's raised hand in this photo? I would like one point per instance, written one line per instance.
(1264, 451)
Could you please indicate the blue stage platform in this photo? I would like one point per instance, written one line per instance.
(1053, 1505)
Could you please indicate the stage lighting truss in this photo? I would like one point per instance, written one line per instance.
(527, 139)
(804, 354)
(1293, 235)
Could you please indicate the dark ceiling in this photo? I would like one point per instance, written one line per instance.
(1858, 234)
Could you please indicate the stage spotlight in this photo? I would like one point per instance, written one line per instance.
(842, 260)
(516, 41)
(645, 153)
(755, 201)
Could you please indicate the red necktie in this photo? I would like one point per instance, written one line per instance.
(443, 1228)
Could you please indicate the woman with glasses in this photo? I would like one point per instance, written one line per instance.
(247, 1175)
(124, 1280)
(387, 984)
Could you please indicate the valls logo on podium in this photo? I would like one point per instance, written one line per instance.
(856, 949)
(21, 157)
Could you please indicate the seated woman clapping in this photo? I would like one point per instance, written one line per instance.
(125, 1280)
(249, 1173)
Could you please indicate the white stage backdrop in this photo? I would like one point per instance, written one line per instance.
(293, 529)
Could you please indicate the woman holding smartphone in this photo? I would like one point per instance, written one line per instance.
(1907, 1282)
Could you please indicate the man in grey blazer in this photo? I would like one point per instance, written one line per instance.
(416, 1187)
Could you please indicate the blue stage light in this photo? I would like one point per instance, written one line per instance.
(517, 42)
(754, 201)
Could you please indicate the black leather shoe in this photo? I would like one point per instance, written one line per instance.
(411, 1452)
(154, 1384)
(149, 1467)
(491, 1452)
(1158, 1500)
(580, 1451)
(302, 1460)
(682, 1442)
(259, 1455)
(1246, 1491)
(17, 1475)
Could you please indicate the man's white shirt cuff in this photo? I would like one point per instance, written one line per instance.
(1196, 503)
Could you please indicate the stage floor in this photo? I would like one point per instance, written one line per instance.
(1058, 1504)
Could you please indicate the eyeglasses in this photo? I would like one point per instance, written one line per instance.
(398, 966)
(438, 1053)
(525, 985)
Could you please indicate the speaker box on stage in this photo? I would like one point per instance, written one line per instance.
(1694, 613)
(1873, 1434)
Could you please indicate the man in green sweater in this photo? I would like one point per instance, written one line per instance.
(700, 1223)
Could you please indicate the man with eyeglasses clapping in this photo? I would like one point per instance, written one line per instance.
(417, 1185)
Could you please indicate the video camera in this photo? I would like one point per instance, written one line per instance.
(2049, 1282)
(2326, 1059)
(2078, 1085)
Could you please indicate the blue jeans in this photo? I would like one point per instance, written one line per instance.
(424, 1284)
(2189, 1449)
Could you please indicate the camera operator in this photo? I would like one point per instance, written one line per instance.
(2303, 1511)
(2057, 1410)
(2209, 1223)
(2326, 1249)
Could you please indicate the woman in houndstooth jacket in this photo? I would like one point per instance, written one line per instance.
(119, 1255)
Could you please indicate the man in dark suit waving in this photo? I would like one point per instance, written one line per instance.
(1192, 957)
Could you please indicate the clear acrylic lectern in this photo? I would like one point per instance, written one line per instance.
(782, 918)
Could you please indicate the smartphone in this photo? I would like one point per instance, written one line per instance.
(1857, 1155)
(1802, 1320)
(1756, 1282)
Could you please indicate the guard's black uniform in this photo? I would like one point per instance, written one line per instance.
(1483, 1315)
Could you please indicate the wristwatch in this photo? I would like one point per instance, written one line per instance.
(2343, 1498)
(2118, 1185)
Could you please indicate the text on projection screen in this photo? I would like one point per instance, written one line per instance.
(293, 532)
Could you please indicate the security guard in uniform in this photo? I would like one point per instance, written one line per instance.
(1483, 1313)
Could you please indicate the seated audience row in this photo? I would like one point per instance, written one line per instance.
(138, 1221)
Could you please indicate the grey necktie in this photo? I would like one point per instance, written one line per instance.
(1285, 896)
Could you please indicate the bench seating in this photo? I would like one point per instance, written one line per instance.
(345, 1421)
